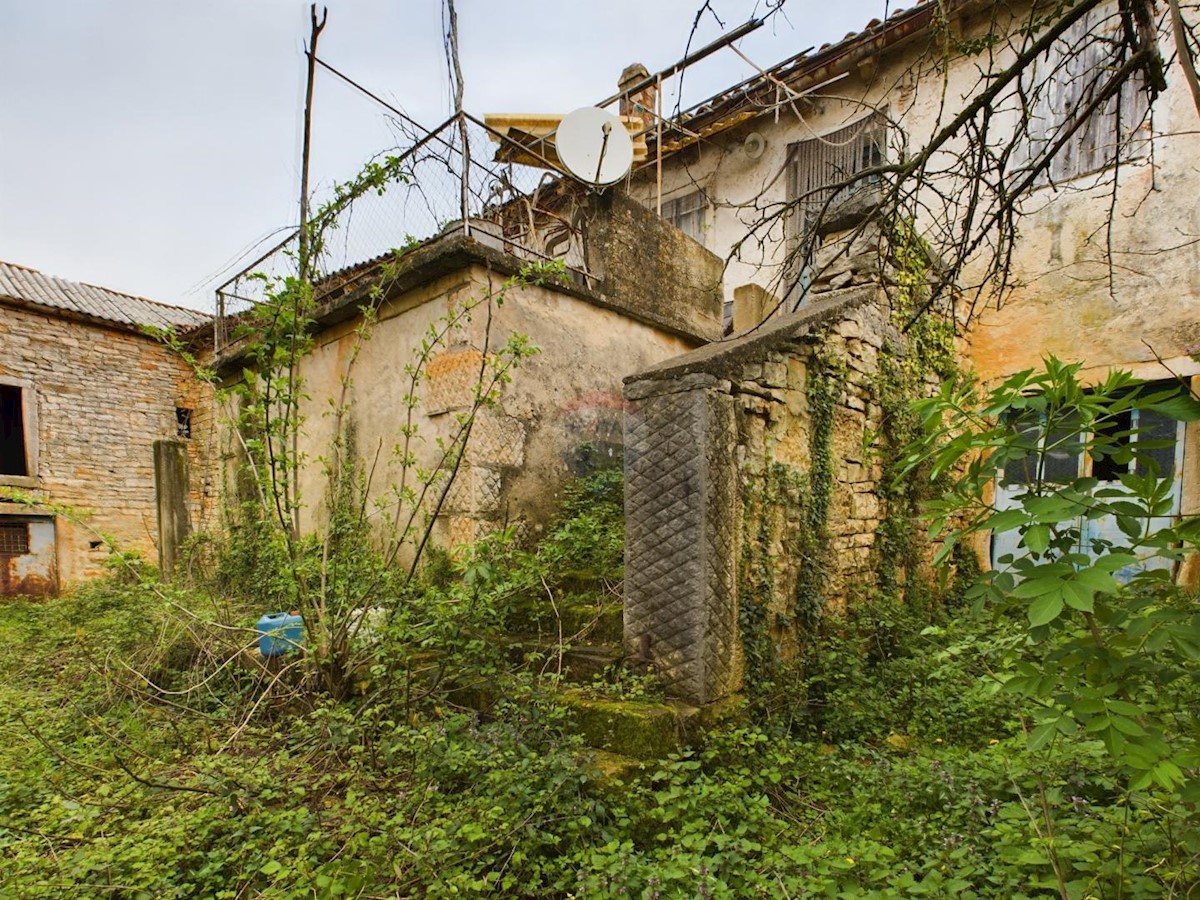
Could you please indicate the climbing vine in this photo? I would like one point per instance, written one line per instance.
(771, 503)
(907, 374)
(826, 380)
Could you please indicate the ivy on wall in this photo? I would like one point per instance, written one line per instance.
(786, 510)
(908, 373)
(786, 516)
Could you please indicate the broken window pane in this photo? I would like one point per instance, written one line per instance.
(183, 422)
(1152, 436)
(1156, 437)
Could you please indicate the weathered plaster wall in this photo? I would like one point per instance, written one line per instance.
(103, 396)
(561, 415)
(1110, 280)
(1070, 301)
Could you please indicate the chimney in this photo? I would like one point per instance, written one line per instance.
(641, 103)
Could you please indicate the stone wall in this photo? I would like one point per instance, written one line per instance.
(560, 417)
(649, 268)
(753, 491)
(103, 397)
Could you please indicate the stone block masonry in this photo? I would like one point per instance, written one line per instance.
(753, 500)
(103, 397)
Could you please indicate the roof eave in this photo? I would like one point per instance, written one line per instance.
(810, 71)
(72, 315)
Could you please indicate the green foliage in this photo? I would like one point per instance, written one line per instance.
(928, 358)
(780, 494)
(914, 760)
(359, 563)
(886, 669)
(910, 777)
(589, 534)
(1112, 647)
(825, 385)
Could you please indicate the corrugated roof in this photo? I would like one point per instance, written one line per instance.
(31, 286)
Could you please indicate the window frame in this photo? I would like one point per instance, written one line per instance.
(21, 522)
(870, 135)
(29, 423)
(1056, 101)
(1085, 462)
(671, 212)
(1006, 490)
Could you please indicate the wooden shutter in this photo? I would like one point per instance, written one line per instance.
(1067, 80)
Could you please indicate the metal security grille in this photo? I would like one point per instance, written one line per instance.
(820, 168)
(14, 538)
(820, 177)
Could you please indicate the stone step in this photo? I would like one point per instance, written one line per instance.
(582, 582)
(581, 663)
(602, 622)
(584, 663)
(636, 729)
(595, 618)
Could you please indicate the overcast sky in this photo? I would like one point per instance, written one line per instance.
(146, 144)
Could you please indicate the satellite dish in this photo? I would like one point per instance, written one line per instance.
(594, 145)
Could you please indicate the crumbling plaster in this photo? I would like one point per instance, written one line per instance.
(1067, 300)
(561, 413)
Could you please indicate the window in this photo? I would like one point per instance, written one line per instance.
(1053, 457)
(1066, 80)
(687, 214)
(14, 538)
(817, 172)
(1059, 452)
(18, 434)
(1155, 438)
(183, 422)
(1137, 441)
(816, 166)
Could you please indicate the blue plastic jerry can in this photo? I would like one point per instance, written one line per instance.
(280, 633)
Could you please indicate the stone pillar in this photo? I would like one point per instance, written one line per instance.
(751, 306)
(171, 491)
(681, 506)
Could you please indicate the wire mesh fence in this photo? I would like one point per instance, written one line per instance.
(434, 181)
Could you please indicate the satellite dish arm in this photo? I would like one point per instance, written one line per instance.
(607, 129)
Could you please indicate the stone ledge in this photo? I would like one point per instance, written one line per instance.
(720, 357)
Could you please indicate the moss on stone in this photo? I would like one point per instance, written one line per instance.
(610, 774)
(631, 728)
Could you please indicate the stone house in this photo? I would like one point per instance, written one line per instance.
(1110, 277)
(86, 397)
(1104, 276)
(641, 293)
